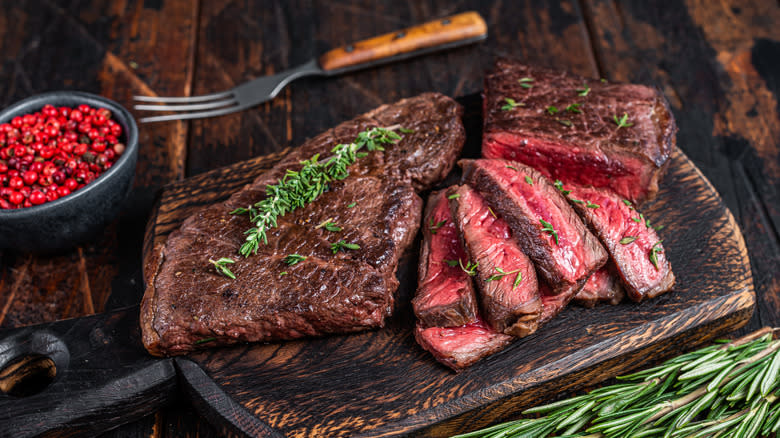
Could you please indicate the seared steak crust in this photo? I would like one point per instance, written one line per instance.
(186, 301)
(582, 144)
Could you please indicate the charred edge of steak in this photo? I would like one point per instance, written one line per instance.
(445, 294)
(150, 337)
(615, 221)
(508, 309)
(545, 131)
(527, 229)
(602, 287)
(461, 347)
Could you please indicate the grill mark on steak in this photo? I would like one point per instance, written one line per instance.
(586, 147)
(489, 243)
(186, 300)
(461, 347)
(602, 286)
(565, 265)
(613, 221)
(445, 294)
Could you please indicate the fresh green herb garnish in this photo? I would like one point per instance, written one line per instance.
(636, 219)
(574, 108)
(512, 167)
(511, 104)
(592, 205)
(576, 201)
(622, 122)
(434, 227)
(627, 202)
(552, 109)
(559, 185)
(352, 205)
(294, 259)
(301, 187)
(502, 273)
(723, 390)
(452, 263)
(654, 253)
(628, 239)
(659, 227)
(221, 266)
(283, 273)
(564, 122)
(584, 90)
(529, 180)
(470, 268)
(603, 81)
(454, 196)
(405, 131)
(341, 245)
(330, 226)
(491, 213)
(526, 82)
(204, 340)
(548, 228)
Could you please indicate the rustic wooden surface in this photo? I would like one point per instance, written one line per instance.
(718, 63)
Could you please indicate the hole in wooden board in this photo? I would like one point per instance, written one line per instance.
(27, 375)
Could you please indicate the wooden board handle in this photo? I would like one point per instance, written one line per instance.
(443, 33)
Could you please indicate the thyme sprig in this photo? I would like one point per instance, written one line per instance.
(548, 228)
(298, 188)
(434, 226)
(526, 82)
(343, 245)
(470, 268)
(511, 104)
(729, 389)
(221, 266)
(622, 122)
(501, 273)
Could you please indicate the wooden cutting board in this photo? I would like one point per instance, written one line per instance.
(381, 383)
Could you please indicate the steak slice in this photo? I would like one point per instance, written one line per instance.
(566, 255)
(505, 276)
(583, 144)
(461, 347)
(187, 304)
(445, 294)
(602, 286)
(629, 239)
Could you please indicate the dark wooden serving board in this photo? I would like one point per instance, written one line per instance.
(381, 383)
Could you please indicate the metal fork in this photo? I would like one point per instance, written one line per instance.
(446, 33)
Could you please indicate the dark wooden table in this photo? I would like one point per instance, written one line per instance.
(717, 62)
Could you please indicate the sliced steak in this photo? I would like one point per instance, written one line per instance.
(461, 347)
(584, 143)
(552, 304)
(188, 305)
(603, 286)
(549, 231)
(505, 276)
(633, 244)
(445, 294)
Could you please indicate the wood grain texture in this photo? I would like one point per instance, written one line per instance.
(382, 383)
(439, 32)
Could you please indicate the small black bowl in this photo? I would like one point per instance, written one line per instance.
(80, 216)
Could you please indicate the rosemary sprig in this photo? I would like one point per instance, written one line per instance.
(511, 104)
(548, 228)
(298, 188)
(221, 266)
(729, 389)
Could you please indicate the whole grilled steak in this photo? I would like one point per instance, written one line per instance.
(602, 286)
(631, 241)
(505, 276)
(445, 294)
(188, 304)
(460, 347)
(549, 231)
(568, 127)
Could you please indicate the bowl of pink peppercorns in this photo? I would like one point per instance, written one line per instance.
(67, 162)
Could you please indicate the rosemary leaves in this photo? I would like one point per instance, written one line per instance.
(726, 389)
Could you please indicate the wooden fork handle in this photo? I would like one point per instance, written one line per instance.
(444, 33)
